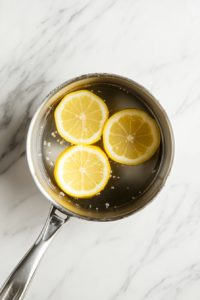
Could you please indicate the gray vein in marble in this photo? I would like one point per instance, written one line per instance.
(16, 140)
(14, 136)
(59, 284)
(13, 230)
(21, 201)
(144, 261)
(183, 107)
(181, 281)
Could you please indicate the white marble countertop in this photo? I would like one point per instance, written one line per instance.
(154, 254)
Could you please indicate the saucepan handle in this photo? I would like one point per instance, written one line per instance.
(17, 283)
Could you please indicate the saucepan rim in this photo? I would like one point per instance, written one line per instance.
(34, 120)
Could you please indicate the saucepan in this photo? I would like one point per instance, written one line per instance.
(129, 189)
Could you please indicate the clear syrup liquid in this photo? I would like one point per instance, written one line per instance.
(126, 183)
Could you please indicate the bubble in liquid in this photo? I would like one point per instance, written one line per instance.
(112, 187)
(77, 204)
(45, 143)
(114, 176)
(62, 194)
(133, 197)
(58, 140)
(139, 192)
(90, 206)
(49, 151)
(62, 142)
(118, 177)
(107, 205)
(47, 158)
(53, 134)
(96, 208)
(153, 171)
(91, 91)
(127, 188)
(56, 131)
(49, 144)
(40, 154)
(51, 163)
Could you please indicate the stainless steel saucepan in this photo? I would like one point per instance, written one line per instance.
(130, 188)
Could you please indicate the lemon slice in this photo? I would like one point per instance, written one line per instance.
(131, 137)
(82, 171)
(80, 117)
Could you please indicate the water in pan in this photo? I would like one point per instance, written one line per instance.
(126, 183)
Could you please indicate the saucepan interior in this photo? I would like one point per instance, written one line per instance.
(129, 188)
